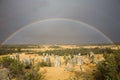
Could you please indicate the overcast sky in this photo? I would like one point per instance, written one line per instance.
(103, 14)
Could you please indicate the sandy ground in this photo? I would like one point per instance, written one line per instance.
(59, 73)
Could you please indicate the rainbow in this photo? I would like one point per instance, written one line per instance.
(58, 19)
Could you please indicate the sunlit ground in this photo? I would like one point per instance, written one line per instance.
(59, 73)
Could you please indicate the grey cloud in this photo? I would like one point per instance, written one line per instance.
(103, 14)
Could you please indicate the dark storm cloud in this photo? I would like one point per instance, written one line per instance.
(103, 14)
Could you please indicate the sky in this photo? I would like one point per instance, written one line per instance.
(102, 14)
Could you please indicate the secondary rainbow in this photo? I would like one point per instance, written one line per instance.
(58, 19)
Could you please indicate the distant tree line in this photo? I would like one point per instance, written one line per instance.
(57, 50)
(75, 51)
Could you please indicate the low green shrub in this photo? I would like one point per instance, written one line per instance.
(109, 69)
(34, 74)
(17, 69)
(6, 61)
(43, 64)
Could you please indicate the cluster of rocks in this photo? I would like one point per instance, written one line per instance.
(70, 60)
